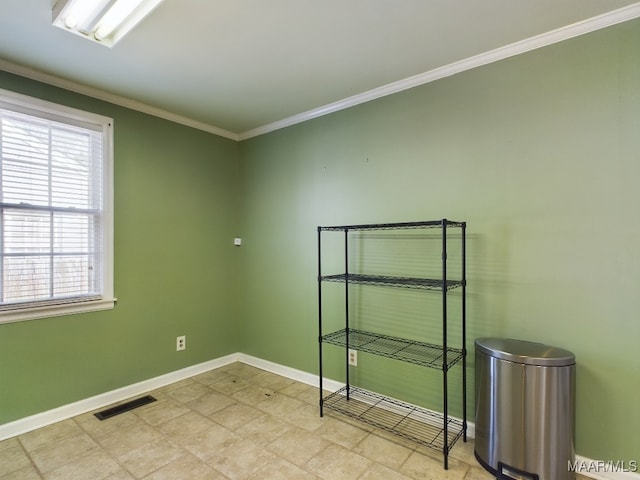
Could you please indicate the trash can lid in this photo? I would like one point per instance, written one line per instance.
(521, 351)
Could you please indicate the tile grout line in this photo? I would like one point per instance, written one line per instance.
(273, 407)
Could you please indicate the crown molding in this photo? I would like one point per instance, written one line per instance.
(99, 94)
(608, 19)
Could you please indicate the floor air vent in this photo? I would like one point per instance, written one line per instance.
(125, 407)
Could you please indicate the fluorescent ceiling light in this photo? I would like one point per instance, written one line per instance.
(103, 21)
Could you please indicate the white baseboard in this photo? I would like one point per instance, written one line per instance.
(592, 468)
(64, 412)
(292, 373)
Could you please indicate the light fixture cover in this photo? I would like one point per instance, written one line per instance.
(102, 21)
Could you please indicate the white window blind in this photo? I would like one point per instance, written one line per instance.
(52, 209)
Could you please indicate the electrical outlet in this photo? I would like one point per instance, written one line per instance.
(353, 358)
(181, 343)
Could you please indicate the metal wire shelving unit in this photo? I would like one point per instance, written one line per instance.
(436, 430)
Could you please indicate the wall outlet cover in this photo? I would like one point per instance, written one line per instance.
(353, 358)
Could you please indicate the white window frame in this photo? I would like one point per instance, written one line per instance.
(52, 111)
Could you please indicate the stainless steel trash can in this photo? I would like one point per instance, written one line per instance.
(525, 409)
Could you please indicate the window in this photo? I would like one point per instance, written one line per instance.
(56, 219)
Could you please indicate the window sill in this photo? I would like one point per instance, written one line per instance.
(56, 310)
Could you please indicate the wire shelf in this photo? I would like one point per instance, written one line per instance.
(419, 425)
(388, 281)
(393, 226)
(411, 351)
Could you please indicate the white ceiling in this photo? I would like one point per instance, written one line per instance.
(243, 67)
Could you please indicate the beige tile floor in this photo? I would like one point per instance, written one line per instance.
(235, 422)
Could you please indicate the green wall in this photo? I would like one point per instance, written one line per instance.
(538, 153)
(175, 268)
